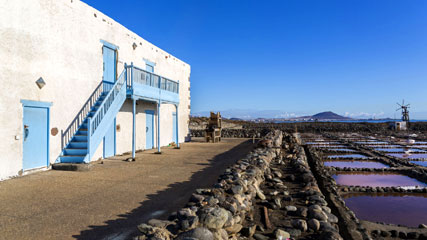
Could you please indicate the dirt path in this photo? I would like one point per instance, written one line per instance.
(111, 199)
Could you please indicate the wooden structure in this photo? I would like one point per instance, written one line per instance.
(214, 127)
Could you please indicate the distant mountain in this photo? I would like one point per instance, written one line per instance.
(326, 116)
(272, 115)
(250, 114)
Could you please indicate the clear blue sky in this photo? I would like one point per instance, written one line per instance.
(291, 55)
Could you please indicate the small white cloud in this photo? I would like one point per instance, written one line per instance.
(364, 114)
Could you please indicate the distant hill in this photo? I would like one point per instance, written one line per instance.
(326, 116)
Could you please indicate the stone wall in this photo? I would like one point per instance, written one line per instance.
(249, 129)
(219, 212)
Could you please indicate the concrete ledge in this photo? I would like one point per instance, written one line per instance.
(78, 167)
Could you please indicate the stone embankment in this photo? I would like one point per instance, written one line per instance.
(220, 212)
(290, 203)
(270, 194)
(248, 129)
(235, 133)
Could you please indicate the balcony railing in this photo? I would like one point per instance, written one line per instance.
(139, 76)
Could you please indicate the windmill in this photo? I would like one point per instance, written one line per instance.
(405, 112)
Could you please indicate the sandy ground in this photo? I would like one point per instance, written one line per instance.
(110, 200)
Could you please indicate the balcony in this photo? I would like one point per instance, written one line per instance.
(152, 87)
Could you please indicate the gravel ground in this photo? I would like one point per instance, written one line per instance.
(115, 196)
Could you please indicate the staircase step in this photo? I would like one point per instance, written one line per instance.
(78, 145)
(75, 151)
(91, 113)
(72, 158)
(79, 138)
(94, 108)
(82, 132)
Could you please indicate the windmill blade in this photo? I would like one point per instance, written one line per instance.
(398, 109)
(399, 104)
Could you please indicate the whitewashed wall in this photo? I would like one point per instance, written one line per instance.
(59, 40)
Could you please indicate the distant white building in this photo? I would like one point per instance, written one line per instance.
(400, 126)
(78, 86)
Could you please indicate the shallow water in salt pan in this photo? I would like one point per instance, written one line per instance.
(348, 156)
(354, 164)
(408, 210)
(322, 143)
(383, 146)
(421, 163)
(340, 149)
(398, 150)
(419, 146)
(410, 156)
(376, 180)
(372, 142)
(328, 146)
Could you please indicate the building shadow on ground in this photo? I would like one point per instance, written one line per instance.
(161, 204)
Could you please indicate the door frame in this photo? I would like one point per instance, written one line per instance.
(174, 135)
(37, 104)
(151, 112)
(116, 55)
(115, 141)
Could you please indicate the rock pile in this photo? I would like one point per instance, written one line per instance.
(292, 204)
(235, 133)
(220, 212)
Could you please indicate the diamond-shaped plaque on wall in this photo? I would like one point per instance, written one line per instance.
(40, 83)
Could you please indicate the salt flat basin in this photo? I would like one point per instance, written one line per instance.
(407, 210)
(421, 163)
(340, 149)
(377, 180)
(372, 142)
(348, 156)
(322, 143)
(419, 146)
(398, 150)
(410, 156)
(383, 146)
(355, 164)
(329, 146)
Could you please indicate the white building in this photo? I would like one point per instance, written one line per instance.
(75, 84)
(400, 126)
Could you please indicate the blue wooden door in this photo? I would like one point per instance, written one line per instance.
(149, 129)
(110, 141)
(35, 137)
(174, 128)
(109, 65)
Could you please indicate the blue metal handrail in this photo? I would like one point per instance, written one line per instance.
(109, 99)
(68, 134)
(141, 76)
